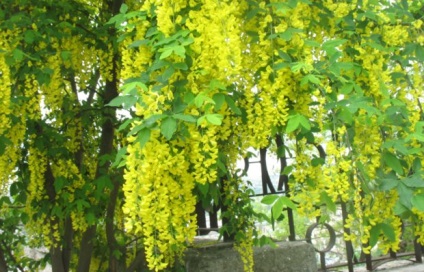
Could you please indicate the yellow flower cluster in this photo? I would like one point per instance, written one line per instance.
(367, 142)
(159, 199)
(37, 163)
(245, 249)
(336, 172)
(379, 209)
(40, 226)
(306, 180)
(340, 9)
(5, 85)
(395, 35)
(134, 61)
(167, 14)
(217, 41)
(33, 105)
(203, 154)
(419, 226)
(106, 62)
(267, 96)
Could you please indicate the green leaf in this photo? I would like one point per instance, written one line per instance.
(419, 53)
(65, 55)
(180, 66)
(269, 199)
(388, 231)
(203, 188)
(400, 209)
(179, 50)
(81, 204)
(374, 234)
(393, 162)
(295, 121)
(216, 84)
(388, 184)
(138, 43)
(219, 99)
(120, 155)
(29, 36)
(103, 182)
(287, 202)
(297, 66)
(317, 162)
(414, 181)
(18, 55)
(305, 122)
(312, 43)
(166, 75)
(325, 199)
(185, 117)
(59, 183)
(232, 105)
(133, 86)
(292, 124)
(202, 98)
(277, 208)
(287, 170)
(418, 202)
(200, 120)
(310, 78)
(166, 53)
(143, 136)
(347, 88)
(125, 124)
(168, 127)
(14, 189)
(123, 9)
(4, 142)
(153, 119)
(331, 44)
(126, 101)
(405, 195)
(117, 20)
(90, 218)
(215, 118)
(280, 65)
(345, 115)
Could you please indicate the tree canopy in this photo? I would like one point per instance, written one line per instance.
(117, 117)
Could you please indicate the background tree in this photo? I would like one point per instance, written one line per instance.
(59, 68)
(335, 86)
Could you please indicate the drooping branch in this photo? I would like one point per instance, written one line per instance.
(283, 162)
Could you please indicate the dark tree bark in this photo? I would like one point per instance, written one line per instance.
(3, 264)
(139, 262)
(114, 264)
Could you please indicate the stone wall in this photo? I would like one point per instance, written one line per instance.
(287, 257)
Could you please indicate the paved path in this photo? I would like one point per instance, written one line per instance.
(409, 267)
(393, 266)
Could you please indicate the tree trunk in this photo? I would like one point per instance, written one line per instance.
(114, 264)
(86, 249)
(3, 264)
(67, 244)
(57, 261)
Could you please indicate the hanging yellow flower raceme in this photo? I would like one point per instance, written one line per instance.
(159, 199)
